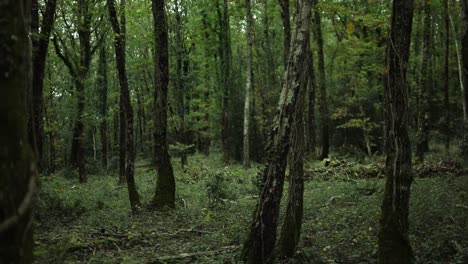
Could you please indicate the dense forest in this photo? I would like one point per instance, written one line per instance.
(229, 131)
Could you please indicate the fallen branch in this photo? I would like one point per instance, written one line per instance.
(197, 254)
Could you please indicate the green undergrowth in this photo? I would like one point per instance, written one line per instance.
(92, 223)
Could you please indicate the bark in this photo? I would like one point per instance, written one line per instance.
(17, 164)
(424, 86)
(323, 106)
(119, 44)
(285, 17)
(464, 55)
(393, 241)
(103, 112)
(40, 45)
(165, 186)
(248, 85)
(292, 223)
(261, 240)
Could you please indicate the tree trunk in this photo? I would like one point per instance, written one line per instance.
(393, 242)
(165, 186)
(119, 43)
(446, 78)
(262, 237)
(180, 81)
(248, 85)
(285, 17)
(311, 118)
(464, 55)
(102, 88)
(424, 86)
(40, 45)
(292, 224)
(17, 165)
(323, 106)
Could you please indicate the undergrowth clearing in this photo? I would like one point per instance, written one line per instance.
(92, 223)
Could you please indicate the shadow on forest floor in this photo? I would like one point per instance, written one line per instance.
(92, 223)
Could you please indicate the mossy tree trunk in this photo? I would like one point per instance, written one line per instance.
(165, 185)
(119, 43)
(393, 241)
(292, 223)
(261, 240)
(17, 164)
(285, 18)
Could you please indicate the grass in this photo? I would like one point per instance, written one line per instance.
(92, 223)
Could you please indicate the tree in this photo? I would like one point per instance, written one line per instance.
(285, 17)
(311, 117)
(165, 186)
(393, 243)
(323, 106)
(119, 43)
(40, 45)
(102, 83)
(292, 224)
(446, 76)
(17, 164)
(464, 55)
(76, 54)
(248, 85)
(261, 240)
(424, 86)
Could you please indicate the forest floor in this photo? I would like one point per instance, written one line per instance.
(92, 223)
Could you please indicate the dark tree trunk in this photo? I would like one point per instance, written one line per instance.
(424, 87)
(262, 237)
(119, 43)
(79, 72)
(180, 80)
(165, 186)
(311, 118)
(464, 53)
(285, 17)
(323, 106)
(102, 88)
(225, 80)
(40, 45)
(446, 78)
(393, 243)
(17, 164)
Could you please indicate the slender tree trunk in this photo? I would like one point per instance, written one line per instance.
(180, 81)
(165, 186)
(122, 140)
(323, 106)
(40, 44)
(424, 86)
(464, 55)
(119, 43)
(103, 87)
(261, 240)
(285, 17)
(393, 243)
(248, 85)
(446, 78)
(17, 164)
(311, 118)
(225, 80)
